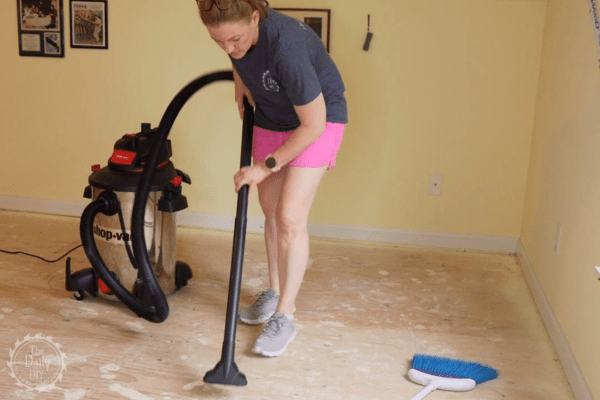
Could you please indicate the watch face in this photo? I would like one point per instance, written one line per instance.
(270, 162)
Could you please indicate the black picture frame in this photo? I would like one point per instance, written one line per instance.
(318, 19)
(89, 24)
(41, 28)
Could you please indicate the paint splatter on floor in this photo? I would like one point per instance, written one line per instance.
(74, 394)
(332, 323)
(203, 341)
(107, 369)
(255, 282)
(136, 325)
(83, 312)
(129, 393)
(193, 385)
(20, 394)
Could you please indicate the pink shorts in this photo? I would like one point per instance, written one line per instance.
(322, 151)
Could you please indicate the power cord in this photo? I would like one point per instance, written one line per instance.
(42, 258)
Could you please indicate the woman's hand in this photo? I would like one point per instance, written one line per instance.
(251, 176)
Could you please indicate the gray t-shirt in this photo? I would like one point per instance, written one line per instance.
(290, 66)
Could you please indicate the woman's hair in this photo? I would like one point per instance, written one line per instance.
(215, 12)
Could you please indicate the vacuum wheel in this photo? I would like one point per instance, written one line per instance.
(183, 273)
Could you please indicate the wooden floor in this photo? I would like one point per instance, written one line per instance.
(364, 310)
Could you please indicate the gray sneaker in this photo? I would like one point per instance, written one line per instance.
(262, 309)
(278, 333)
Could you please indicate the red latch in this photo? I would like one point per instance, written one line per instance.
(104, 287)
(130, 134)
(177, 181)
(96, 168)
(123, 157)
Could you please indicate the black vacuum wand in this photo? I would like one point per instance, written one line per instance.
(226, 372)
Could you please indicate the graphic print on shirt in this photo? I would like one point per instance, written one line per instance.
(269, 83)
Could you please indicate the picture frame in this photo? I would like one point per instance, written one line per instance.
(317, 18)
(41, 28)
(89, 24)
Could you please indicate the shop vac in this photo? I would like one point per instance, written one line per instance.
(128, 230)
(105, 226)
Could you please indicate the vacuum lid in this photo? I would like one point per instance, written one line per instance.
(131, 152)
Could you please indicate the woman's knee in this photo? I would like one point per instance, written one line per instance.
(269, 192)
(268, 205)
(290, 223)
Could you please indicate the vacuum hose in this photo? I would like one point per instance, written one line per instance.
(159, 310)
(107, 203)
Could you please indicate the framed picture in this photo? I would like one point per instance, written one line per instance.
(41, 31)
(318, 19)
(89, 24)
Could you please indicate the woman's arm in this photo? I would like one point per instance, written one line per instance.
(313, 117)
(240, 91)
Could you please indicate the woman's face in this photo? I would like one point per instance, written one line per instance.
(236, 38)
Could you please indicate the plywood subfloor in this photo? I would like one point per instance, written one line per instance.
(363, 312)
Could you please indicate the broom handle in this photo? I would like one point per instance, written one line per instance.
(426, 390)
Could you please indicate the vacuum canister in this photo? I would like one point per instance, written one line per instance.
(112, 233)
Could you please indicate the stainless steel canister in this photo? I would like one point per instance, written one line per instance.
(161, 241)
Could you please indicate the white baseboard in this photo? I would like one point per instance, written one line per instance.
(42, 206)
(580, 388)
(414, 238)
(217, 221)
(365, 234)
(316, 229)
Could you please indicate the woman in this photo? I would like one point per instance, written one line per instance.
(284, 70)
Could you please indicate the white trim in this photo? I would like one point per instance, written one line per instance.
(316, 229)
(363, 234)
(578, 384)
(42, 206)
(414, 238)
(217, 221)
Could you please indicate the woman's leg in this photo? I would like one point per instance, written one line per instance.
(268, 196)
(297, 192)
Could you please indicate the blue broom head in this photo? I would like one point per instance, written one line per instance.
(449, 368)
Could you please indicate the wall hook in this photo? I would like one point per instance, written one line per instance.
(369, 35)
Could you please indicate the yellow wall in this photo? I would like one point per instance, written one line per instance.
(448, 87)
(563, 185)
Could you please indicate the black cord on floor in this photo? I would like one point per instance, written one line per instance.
(42, 258)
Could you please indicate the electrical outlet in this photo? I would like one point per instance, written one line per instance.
(598, 271)
(435, 184)
(557, 239)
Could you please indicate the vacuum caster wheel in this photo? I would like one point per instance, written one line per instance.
(79, 295)
(183, 273)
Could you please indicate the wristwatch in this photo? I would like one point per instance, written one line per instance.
(271, 163)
